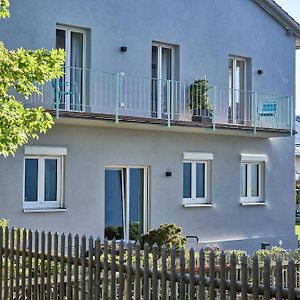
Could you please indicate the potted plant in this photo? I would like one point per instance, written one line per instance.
(198, 101)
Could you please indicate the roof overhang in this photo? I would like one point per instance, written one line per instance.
(282, 17)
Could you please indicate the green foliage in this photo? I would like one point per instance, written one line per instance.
(166, 234)
(22, 71)
(275, 252)
(4, 12)
(198, 95)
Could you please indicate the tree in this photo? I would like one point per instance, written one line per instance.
(22, 71)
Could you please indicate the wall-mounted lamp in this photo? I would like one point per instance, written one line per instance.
(123, 49)
(264, 245)
(169, 174)
(260, 72)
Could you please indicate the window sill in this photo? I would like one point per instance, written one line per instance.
(253, 203)
(199, 205)
(43, 210)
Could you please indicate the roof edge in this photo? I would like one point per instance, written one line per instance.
(282, 17)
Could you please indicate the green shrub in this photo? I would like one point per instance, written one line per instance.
(166, 234)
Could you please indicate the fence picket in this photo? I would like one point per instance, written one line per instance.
(146, 272)
(105, 270)
(129, 272)
(36, 266)
(192, 274)
(97, 279)
(137, 279)
(278, 279)
(173, 274)
(255, 278)
(212, 272)
(233, 276)
(6, 254)
(11, 264)
(90, 268)
(55, 267)
(121, 270)
(155, 273)
(222, 276)
(244, 266)
(163, 273)
(1, 261)
(18, 251)
(23, 272)
(29, 279)
(83, 267)
(49, 262)
(267, 292)
(201, 288)
(76, 267)
(43, 247)
(291, 279)
(113, 270)
(62, 288)
(182, 275)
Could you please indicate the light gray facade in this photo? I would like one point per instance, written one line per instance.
(204, 33)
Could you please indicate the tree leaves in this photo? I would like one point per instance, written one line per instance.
(21, 71)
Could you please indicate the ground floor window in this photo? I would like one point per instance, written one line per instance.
(252, 177)
(43, 177)
(125, 202)
(196, 178)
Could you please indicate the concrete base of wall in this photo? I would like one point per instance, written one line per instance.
(250, 245)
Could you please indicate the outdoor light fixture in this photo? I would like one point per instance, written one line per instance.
(260, 72)
(123, 49)
(264, 245)
(169, 174)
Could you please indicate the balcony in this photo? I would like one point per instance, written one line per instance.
(119, 96)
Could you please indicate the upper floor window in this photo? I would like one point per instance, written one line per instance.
(252, 178)
(196, 178)
(43, 177)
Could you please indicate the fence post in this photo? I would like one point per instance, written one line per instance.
(169, 102)
(291, 279)
(57, 97)
(117, 97)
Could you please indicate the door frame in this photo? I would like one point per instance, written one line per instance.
(126, 197)
(159, 73)
(69, 30)
(233, 88)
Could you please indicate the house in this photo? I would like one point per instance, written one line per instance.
(167, 113)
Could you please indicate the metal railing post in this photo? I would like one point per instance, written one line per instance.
(169, 102)
(254, 112)
(57, 97)
(292, 117)
(214, 107)
(117, 97)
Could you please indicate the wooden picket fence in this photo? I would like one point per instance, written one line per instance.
(47, 266)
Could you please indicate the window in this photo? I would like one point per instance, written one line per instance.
(43, 177)
(252, 178)
(125, 202)
(196, 178)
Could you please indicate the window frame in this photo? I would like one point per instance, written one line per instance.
(195, 158)
(249, 160)
(125, 196)
(41, 154)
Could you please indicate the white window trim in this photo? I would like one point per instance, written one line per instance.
(261, 160)
(125, 212)
(194, 201)
(41, 154)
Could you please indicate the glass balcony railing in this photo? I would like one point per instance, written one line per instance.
(91, 91)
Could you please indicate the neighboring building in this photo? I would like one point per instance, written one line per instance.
(126, 154)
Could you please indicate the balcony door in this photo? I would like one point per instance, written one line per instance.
(237, 90)
(162, 70)
(71, 86)
(125, 202)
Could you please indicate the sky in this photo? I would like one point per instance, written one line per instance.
(293, 8)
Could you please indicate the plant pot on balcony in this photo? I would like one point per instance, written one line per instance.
(202, 115)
